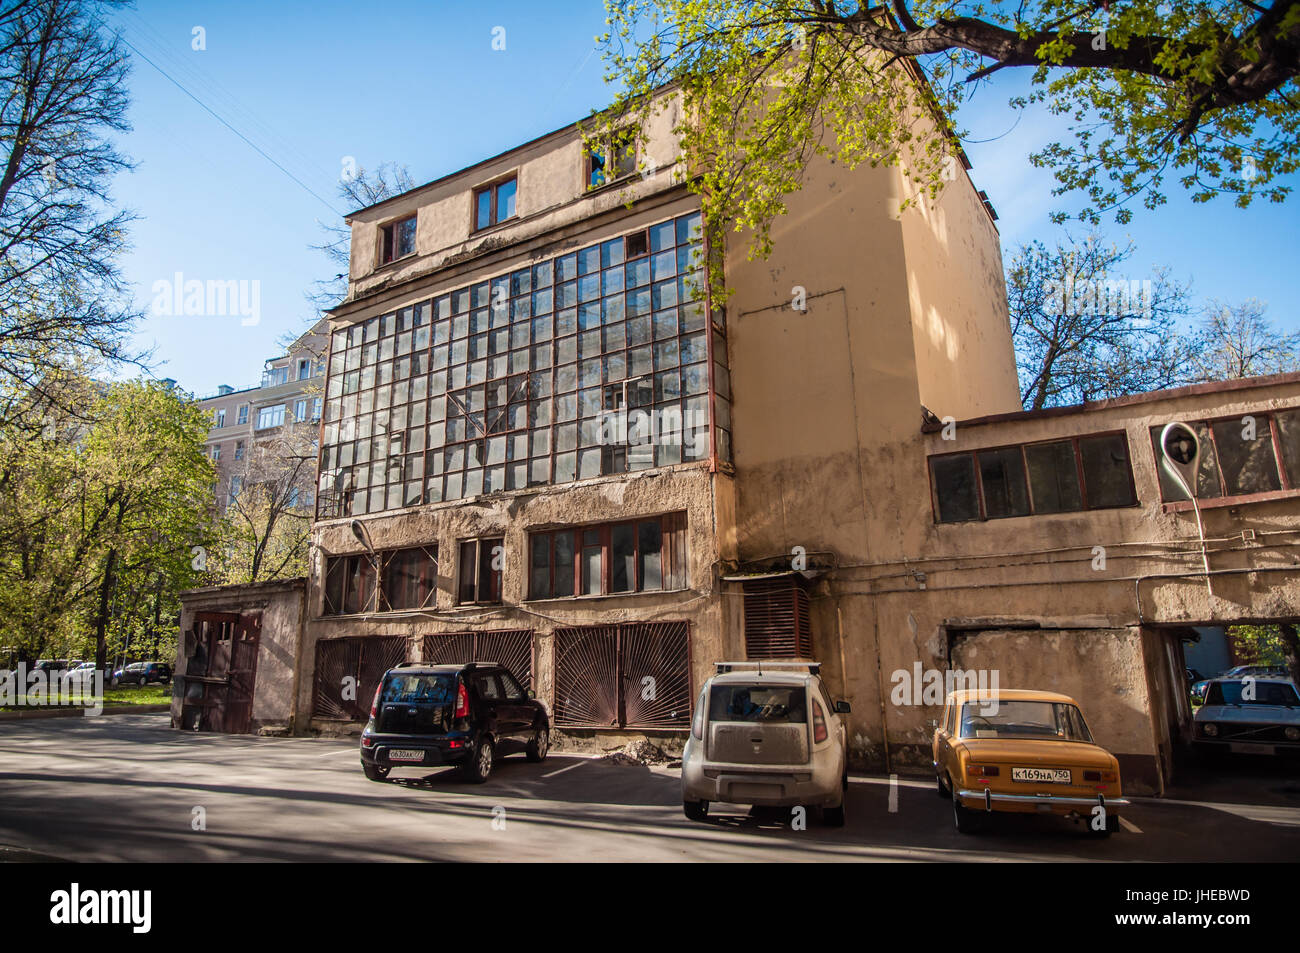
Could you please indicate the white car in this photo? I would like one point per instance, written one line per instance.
(767, 734)
(1249, 716)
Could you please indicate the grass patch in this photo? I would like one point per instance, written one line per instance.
(122, 695)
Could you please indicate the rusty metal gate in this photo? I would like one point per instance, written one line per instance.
(635, 675)
(512, 648)
(348, 672)
(230, 642)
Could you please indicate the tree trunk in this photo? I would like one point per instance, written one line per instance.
(101, 617)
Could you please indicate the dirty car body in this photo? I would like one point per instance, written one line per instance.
(766, 734)
(1249, 715)
(1023, 752)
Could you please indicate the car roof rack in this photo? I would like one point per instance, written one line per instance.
(722, 668)
(466, 665)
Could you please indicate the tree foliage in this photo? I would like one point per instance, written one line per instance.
(1201, 91)
(105, 493)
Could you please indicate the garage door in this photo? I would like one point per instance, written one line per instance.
(634, 675)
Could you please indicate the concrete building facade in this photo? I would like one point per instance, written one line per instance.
(541, 444)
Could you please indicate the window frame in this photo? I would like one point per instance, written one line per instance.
(388, 236)
(1074, 441)
(495, 583)
(281, 417)
(606, 144)
(672, 527)
(493, 189)
(1224, 498)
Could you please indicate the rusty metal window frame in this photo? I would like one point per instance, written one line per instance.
(1266, 423)
(672, 557)
(601, 671)
(419, 372)
(357, 583)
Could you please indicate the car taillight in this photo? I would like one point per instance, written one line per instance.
(462, 702)
(984, 770)
(819, 724)
(374, 705)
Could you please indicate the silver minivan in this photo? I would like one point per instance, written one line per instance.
(767, 734)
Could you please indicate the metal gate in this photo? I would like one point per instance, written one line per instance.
(230, 642)
(635, 675)
(512, 648)
(348, 672)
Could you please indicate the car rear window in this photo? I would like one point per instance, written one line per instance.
(783, 704)
(439, 689)
(1262, 693)
(1050, 721)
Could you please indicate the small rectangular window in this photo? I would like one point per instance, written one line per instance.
(397, 240)
(272, 416)
(239, 449)
(1053, 477)
(221, 418)
(494, 203)
(1107, 475)
(1002, 475)
(1288, 428)
(481, 564)
(1247, 459)
(612, 159)
(243, 414)
(954, 487)
(1208, 484)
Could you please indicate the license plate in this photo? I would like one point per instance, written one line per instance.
(1246, 747)
(405, 754)
(1041, 775)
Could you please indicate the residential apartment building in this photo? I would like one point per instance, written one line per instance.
(542, 444)
(290, 393)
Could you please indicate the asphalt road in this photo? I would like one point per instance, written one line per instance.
(128, 788)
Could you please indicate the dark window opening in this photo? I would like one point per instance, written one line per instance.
(397, 240)
(954, 488)
(481, 565)
(407, 579)
(611, 160)
(1239, 456)
(633, 556)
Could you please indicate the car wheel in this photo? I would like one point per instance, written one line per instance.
(833, 816)
(967, 821)
(538, 747)
(480, 767)
(938, 783)
(696, 810)
(375, 772)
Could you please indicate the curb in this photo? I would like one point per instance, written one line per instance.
(78, 712)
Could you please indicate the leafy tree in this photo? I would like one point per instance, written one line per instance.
(100, 512)
(1268, 645)
(1239, 341)
(62, 101)
(1203, 90)
(1085, 328)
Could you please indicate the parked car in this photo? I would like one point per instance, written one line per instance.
(1241, 717)
(766, 734)
(142, 673)
(467, 714)
(1255, 671)
(79, 674)
(49, 666)
(1023, 752)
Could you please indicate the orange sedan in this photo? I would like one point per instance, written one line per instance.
(1023, 752)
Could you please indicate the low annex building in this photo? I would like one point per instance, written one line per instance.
(541, 445)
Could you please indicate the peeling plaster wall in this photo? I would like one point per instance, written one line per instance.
(689, 488)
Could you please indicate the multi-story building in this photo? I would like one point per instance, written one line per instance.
(290, 393)
(542, 444)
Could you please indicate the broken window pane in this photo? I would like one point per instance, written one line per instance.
(1288, 425)
(1207, 471)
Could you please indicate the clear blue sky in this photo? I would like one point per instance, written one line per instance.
(419, 83)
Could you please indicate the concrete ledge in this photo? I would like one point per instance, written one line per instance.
(25, 713)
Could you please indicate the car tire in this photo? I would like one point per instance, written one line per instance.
(942, 791)
(539, 745)
(479, 768)
(833, 816)
(696, 810)
(375, 772)
(967, 821)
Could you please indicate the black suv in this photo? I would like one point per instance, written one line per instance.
(142, 673)
(466, 714)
